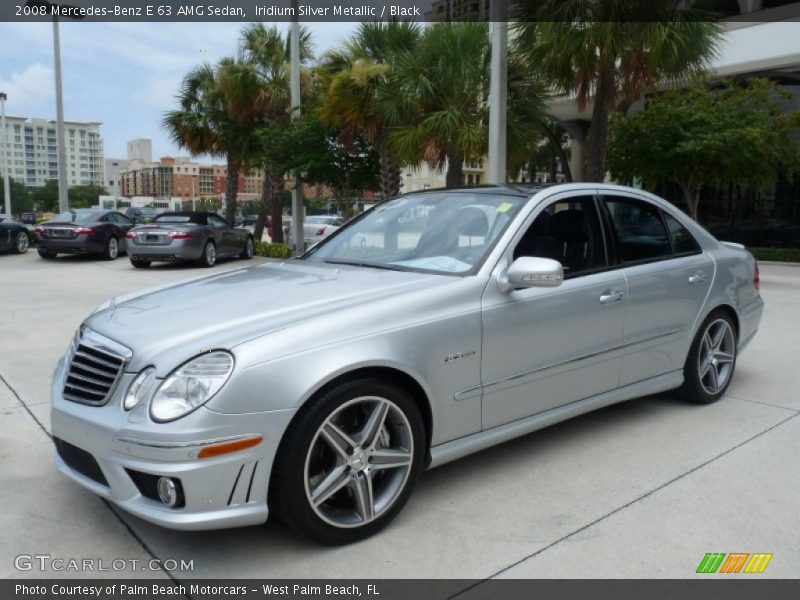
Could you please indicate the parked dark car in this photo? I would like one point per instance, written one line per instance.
(188, 235)
(13, 237)
(29, 218)
(141, 214)
(83, 231)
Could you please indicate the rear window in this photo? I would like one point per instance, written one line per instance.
(78, 216)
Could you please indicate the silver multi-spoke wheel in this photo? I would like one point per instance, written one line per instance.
(113, 248)
(22, 243)
(716, 356)
(359, 461)
(211, 254)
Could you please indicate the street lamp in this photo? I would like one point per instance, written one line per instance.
(4, 151)
(498, 93)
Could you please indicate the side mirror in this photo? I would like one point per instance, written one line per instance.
(531, 271)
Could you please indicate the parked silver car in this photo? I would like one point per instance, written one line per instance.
(433, 326)
(318, 227)
(188, 235)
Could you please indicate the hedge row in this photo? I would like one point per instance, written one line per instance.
(776, 254)
(273, 250)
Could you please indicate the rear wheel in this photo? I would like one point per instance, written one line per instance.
(711, 361)
(139, 263)
(249, 249)
(348, 462)
(111, 251)
(21, 243)
(209, 256)
(45, 253)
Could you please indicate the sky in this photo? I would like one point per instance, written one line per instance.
(123, 75)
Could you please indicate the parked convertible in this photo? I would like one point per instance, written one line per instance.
(433, 326)
(199, 236)
(83, 231)
(13, 237)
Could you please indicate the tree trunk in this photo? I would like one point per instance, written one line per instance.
(558, 149)
(390, 174)
(597, 142)
(692, 197)
(455, 171)
(263, 208)
(276, 208)
(231, 188)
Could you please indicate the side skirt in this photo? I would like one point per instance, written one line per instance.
(449, 451)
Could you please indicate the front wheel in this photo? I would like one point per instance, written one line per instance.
(348, 462)
(711, 361)
(21, 243)
(209, 256)
(111, 251)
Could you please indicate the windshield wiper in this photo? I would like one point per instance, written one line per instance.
(369, 265)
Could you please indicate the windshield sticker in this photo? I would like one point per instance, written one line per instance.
(504, 207)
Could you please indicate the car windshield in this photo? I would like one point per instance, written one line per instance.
(445, 232)
(78, 216)
(147, 211)
(174, 219)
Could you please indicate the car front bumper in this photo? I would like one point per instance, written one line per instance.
(120, 453)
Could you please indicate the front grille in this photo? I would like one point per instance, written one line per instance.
(80, 461)
(93, 373)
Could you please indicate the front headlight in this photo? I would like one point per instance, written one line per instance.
(139, 388)
(191, 385)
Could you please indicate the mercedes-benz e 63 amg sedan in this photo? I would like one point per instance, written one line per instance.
(432, 326)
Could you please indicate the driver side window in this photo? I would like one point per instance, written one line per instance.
(569, 231)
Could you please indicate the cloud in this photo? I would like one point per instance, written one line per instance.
(29, 90)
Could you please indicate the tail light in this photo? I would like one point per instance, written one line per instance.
(130, 235)
(321, 231)
(39, 229)
(179, 235)
(757, 279)
(84, 231)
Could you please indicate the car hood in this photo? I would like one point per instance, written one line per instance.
(227, 309)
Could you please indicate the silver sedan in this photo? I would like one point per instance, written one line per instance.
(433, 326)
(188, 236)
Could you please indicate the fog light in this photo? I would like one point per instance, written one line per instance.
(167, 491)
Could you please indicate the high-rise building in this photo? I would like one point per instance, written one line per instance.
(33, 151)
(140, 149)
(113, 166)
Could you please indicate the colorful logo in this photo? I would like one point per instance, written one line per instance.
(736, 562)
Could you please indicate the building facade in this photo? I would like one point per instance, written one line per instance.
(32, 150)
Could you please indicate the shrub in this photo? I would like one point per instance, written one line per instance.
(273, 250)
(776, 254)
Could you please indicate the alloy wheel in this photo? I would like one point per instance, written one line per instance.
(211, 254)
(358, 462)
(113, 248)
(22, 242)
(716, 356)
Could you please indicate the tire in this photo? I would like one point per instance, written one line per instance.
(712, 359)
(21, 243)
(209, 256)
(111, 251)
(332, 449)
(249, 249)
(140, 263)
(46, 254)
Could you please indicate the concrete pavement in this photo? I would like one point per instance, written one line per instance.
(641, 489)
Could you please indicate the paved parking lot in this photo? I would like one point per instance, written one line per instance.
(642, 489)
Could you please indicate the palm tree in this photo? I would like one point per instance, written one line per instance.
(443, 103)
(202, 124)
(256, 85)
(610, 52)
(358, 99)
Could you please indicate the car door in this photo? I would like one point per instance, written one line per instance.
(669, 277)
(546, 347)
(227, 242)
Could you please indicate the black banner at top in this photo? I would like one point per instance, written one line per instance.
(391, 10)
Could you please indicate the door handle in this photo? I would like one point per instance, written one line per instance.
(698, 277)
(611, 296)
